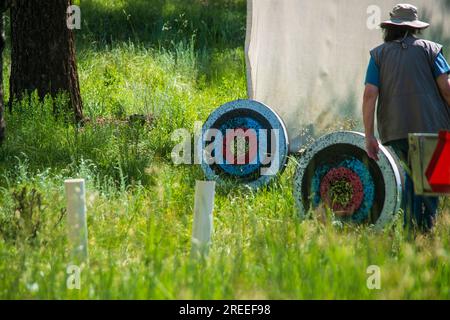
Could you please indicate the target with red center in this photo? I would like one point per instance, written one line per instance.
(335, 171)
(342, 190)
(240, 146)
(253, 147)
(244, 153)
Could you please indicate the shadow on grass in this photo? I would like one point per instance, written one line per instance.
(206, 28)
(159, 23)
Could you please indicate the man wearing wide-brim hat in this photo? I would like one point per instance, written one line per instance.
(410, 78)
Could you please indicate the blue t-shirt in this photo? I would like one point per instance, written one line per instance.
(441, 66)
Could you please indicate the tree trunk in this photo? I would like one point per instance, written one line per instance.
(43, 52)
(2, 106)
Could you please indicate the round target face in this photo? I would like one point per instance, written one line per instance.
(241, 159)
(244, 141)
(336, 172)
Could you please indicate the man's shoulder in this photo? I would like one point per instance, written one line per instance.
(381, 46)
(376, 52)
(428, 45)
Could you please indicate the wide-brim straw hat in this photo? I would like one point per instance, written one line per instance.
(405, 15)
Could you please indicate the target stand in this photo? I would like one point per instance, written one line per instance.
(244, 141)
(335, 172)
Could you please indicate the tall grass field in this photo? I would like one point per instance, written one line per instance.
(175, 61)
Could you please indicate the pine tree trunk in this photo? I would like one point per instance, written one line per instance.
(43, 52)
(2, 106)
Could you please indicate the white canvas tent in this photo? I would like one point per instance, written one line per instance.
(307, 59)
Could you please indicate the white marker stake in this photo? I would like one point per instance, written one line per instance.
(203, 217)
(76, 219)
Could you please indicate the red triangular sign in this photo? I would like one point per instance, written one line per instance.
(438, 172)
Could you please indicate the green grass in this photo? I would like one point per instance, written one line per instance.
(140, 206)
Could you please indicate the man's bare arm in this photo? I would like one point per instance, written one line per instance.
(444, 86)
(369, 103)
(371, 93)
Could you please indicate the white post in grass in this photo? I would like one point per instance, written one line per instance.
(76, 219)
(203, 217)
